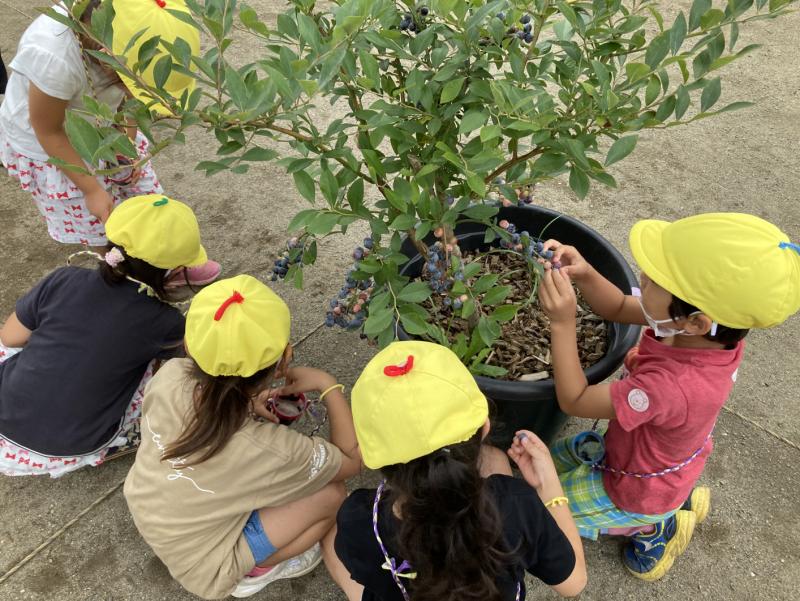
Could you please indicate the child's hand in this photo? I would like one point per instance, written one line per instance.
(100, 204)
(305, 379)
(533, 459)
(570, 260)
(260, 405)
(557, 296)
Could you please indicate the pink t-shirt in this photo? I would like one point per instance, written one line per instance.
(666, 407)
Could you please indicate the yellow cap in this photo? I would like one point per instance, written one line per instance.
(414, 398)
(157, 229)
(741, 271)
(236, 327)
(131, 17)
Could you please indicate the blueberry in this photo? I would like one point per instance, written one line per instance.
(457, 304)
(515, 238)
(459, 276)
(527, 28)
(432, 267)
(384, 65)
(404, 25)
(363, 285)
(548, 254)
(424, 11)
(358, 254)
(434, 256)
(412, 27)
(273, 278)
(539, 246)
(329, 320)
(343, 293)
(368, 243)
(528, 37)
(511, 228)
(501, 16)
(282, 263)
(525, 234)
(351, 283)
(512, 30)
(521, 35)
(447, 302)
(499, 181)
(334, 303)
(525, 19)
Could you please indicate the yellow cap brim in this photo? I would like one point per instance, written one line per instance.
(647, 247)
(201, 259)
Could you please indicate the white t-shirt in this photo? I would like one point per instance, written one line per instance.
(49, 56)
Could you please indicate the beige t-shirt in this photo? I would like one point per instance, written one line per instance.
(193, 517)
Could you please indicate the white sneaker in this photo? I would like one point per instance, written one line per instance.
(293, 567)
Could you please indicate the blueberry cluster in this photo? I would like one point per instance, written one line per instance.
(293, 254)
(348, 309)
(525, 30)
(409, 23)
(525, 244)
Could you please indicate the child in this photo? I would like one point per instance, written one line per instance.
(706, 281)
(449, 522)
(51, 73)
(229, 499)
(88, 339)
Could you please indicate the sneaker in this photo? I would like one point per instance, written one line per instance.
(699, 503)
(197, 276)
(650, 556)
(293, 567)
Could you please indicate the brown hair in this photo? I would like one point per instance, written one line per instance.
(221, 406)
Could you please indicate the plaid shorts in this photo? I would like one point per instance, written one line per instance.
(593, 511)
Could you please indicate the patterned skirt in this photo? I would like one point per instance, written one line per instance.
(60, 201)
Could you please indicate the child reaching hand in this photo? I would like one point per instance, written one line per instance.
(449, 522)
(229, 499)
(706, 281)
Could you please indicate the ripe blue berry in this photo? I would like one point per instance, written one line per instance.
(404, 25)
(501, 16)
(528, 37)
(527, 28)
(525, 19)
(457, 303)
(358, 254)
(368, 243)
(521, 35)
(329, 320)
(424, 11)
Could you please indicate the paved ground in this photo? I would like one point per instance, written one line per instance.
(748, 161)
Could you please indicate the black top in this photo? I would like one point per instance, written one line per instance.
(66, 393)
(543, 549)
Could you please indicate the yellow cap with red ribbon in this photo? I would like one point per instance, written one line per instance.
(412, 399)
(236, 327)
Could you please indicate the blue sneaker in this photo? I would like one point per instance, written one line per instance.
(650, 556)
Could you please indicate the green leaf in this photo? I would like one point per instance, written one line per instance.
(485, 282)
(322, 224)
(682, 102)
(162, 70)
(452, 89)
(415, 292)
(620, 149)
(735, 106)
(490, 371)
(414, 324)
(301, 219)
(488, 330)
(578, 181)
(657, 50)
(82, 135)
(476, 184)
(490, 132)
(699, 8)
(472, 121)
(505, 313)
(636, 71)
(256, 153)
(403, 222)
(236, 87)
(328, 185)
(305, 185)
(653, 90)
(711, 19)
(496, 295)
(711, 93)
(678, 33)
(378, 321)
(481, 212)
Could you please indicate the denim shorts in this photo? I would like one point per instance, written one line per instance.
(257, 539)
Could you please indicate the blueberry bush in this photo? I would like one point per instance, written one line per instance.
(445, 110)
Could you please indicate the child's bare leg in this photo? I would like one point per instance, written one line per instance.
(296, 526)
(336, 568)
(493, 461)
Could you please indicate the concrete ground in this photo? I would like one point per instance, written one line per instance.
(744, 161)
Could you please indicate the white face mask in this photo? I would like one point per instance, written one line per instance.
(655, 324)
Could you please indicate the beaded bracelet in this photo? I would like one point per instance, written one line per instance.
(557, 501)
(327, 390)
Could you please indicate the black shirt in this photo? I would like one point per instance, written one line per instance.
(66, 393)
(542, 548)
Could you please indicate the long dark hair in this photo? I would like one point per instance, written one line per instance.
(451, 531)
(679, 309)
(136, 269)
(221, 406)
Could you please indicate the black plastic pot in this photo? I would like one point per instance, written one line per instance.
(533, 405)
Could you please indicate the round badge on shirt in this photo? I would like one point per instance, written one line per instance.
(638, 400)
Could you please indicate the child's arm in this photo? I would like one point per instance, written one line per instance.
(13, 334)
(47, 115)
(605, 299)
(343, 432)
(536, 465)
(575, 396)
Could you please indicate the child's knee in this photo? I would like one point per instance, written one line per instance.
(333, 495)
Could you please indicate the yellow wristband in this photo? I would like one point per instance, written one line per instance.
(557, 501)
(327, 390)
